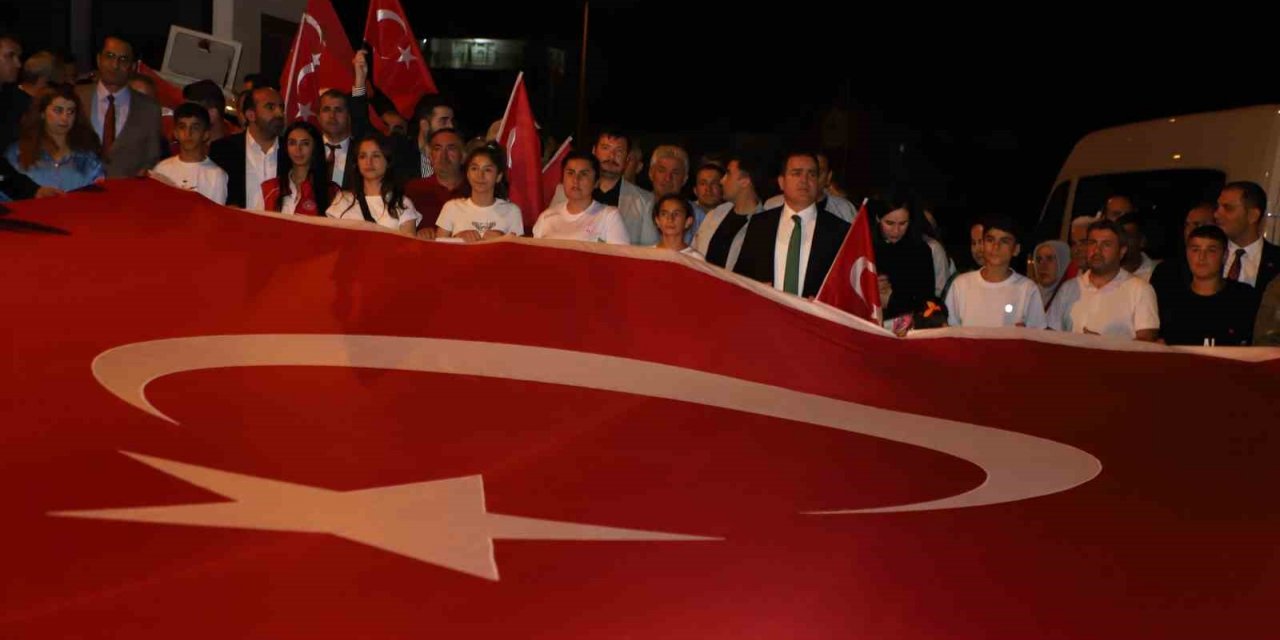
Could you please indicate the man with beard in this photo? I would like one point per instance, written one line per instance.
(249, 158)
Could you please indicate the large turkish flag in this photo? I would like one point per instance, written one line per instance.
(220, 424)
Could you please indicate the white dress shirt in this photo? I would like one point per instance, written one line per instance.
(259, 167)
(808, 220)
(1252, 260)
(123, 99)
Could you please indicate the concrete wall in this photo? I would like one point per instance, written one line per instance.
(244, 18)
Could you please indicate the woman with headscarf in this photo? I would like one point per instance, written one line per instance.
(1051, 262)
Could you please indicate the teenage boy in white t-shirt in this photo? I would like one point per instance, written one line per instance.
(995, 296)
(192, 169)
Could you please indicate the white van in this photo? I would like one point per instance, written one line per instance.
(1168, 165)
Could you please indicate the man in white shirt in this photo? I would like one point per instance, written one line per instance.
(1250, 259)
(634, 205)
(249, 157)
(708, 193)
(1106, 300)
(192, 169)
(792, 247)
(834, 204)
(996, 296)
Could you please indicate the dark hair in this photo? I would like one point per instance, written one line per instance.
(795, 152)
(392, 185)
(612, 132)
(581, 155)
(1252, 195)
(657, 205)
(1103, 224)
(1000, 223)
(32, 137)
(425, 106)
(752, 164)
(317, 170)
(499, 159)
(455, 132)
(207, 93)
(258, 80)
(1210, 231)
(192, 110)
(881, 207)
(338, 94)
(710, 166)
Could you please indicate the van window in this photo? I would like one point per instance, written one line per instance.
(1050, 225)
(1163, 197)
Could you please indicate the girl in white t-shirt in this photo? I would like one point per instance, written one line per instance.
(377, 197)
(674, 217)
(482, 214)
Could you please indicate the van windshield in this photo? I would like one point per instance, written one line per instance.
(1162, 197)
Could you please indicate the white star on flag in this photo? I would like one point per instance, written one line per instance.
(304, 112)
(406, 55)
(441, 522)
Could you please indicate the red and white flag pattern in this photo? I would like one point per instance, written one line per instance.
(852, 284)
(320, 59)
(552, 172)
(221, 424)
(518, 135)
(399, 70)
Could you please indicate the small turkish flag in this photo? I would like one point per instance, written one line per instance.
(552, 172)
(400, 72)
(851, 284)
(519, 136)
(320, 59)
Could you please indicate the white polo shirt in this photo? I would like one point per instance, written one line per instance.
(974, 302)
(1121, 308)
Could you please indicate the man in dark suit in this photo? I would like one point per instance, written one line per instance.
(249, 157)
(1250, 258)
(792, 246)
(127, 122)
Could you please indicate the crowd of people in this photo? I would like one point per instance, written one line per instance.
(775, 218)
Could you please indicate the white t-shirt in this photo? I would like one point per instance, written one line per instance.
(974, 302)
(688, 251)
(204, 177)
(344, 207)
(1121, 308)
(596, 223)
(461, 214)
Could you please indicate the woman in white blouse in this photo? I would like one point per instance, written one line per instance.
(377, 197)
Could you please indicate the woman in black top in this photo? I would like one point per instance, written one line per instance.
(903, 260)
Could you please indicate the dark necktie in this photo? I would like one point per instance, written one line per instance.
(1233, 272)
(109, 125)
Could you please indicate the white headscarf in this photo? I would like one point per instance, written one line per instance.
(1063, 252)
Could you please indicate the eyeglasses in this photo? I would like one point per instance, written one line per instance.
(109, 55)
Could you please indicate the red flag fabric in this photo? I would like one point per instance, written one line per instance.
(320, 59)
(851, 283)
(168, 94)
(518, 135)
(552, 173)
(221, 424)
(399, 70)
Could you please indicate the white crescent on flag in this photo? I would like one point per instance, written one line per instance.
(855, 274)
(1017, 466)
(383, 14)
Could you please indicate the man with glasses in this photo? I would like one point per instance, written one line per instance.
(127, 122)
